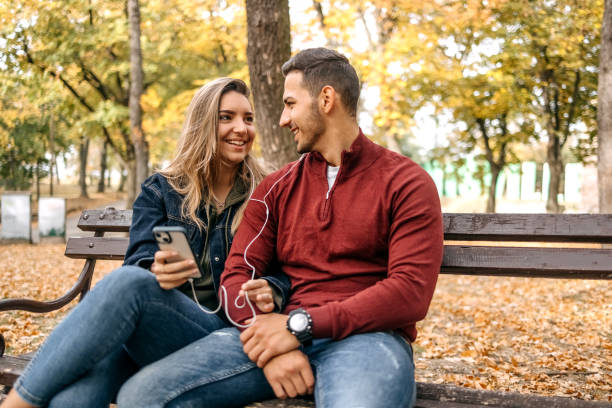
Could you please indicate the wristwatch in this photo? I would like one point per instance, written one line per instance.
(300, 325)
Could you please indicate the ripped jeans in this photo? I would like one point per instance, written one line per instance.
(126, 322)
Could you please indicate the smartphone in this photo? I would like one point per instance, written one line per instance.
(175, 239)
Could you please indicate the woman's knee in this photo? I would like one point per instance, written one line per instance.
(127, 279)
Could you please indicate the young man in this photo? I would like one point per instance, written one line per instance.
(358, 229)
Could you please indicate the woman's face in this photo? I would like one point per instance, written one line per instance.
(236, 128)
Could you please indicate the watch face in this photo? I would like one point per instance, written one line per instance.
(298, 322)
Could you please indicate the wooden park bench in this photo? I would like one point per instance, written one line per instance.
(460, 257)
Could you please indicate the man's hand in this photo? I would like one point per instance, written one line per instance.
(260, 292)
(290, 375)
(268, 337)
(171, 270)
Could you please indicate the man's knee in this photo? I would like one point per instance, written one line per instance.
(129, 394)
(367, 370)
(142, 389)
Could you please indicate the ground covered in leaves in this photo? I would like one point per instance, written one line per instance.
(550, 337)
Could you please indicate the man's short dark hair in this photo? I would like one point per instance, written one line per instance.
(321, 67)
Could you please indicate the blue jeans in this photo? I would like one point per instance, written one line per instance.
(188, 358)
(126, 322)
(365, 370)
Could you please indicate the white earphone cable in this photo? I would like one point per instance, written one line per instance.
(223, 300)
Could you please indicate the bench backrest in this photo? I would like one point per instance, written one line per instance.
(529, 245)
(99, 246)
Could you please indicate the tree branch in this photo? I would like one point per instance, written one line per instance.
(124, 94)
(92, 79)
(319, 10)
(501, 161)
(572, 108)
(483, 129)
(74, 92)
(365, 25)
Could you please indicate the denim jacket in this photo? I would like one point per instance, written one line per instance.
(159, 204)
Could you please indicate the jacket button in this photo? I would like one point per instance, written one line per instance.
(216, 259)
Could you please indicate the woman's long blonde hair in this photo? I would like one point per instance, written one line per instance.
(196, 164)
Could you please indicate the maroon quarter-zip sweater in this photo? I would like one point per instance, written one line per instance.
(363, 257)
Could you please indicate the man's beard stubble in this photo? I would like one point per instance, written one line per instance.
(314, 119)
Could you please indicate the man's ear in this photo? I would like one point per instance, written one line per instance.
(327, 99)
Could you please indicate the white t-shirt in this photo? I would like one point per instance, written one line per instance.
(332, 173)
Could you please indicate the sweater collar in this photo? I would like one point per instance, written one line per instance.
(360, 155)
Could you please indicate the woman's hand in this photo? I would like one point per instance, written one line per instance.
(259, 292)
(172, 271)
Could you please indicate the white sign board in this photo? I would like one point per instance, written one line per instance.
(528, 181)
(16, 216)
(52, 217)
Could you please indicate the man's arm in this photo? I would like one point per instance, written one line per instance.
(415, 256)
(253, 248)
(401, 299)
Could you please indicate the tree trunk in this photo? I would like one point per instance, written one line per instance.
(102, 167)
(495, 166)
(604, 119)
(269, 46)
(392, 143)
(37, 180)
(491, 204)
(457, 184)
(83, 152)
(52, 150)
(122, 179)
(141, 147)
(444, 181)
(555, 166)
(132, 184)
(57, 178)
(108, 177)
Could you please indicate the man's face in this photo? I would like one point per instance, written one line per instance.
(301, 114)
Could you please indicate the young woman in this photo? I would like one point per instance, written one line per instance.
(145, 310)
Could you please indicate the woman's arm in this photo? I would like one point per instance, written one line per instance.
(149, 211)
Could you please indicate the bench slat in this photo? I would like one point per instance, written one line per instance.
(451, 393)
(429, 395)
(11, 367)
(459, 227)
(445, 404)
(583, 263)
(110, 220)
(112, 248)
(529, 227)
